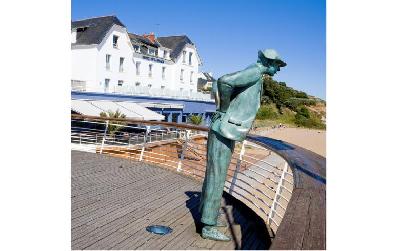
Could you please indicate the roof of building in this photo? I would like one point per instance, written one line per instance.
(142, 40)
(208, 76)
(130, 109)
(94, 29)
(175, 43)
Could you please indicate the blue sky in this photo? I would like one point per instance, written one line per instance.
(228, 34)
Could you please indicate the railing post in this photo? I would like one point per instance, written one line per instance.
(237, 169)
(277, 194)
(184, 146)
(144, 143)
(104, 137)
(80, 138)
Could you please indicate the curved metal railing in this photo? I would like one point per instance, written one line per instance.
(257, 176)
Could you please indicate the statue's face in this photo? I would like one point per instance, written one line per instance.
(272, 68)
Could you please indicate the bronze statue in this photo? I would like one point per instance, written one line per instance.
(238, 99)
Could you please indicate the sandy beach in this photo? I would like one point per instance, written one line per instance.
(311, 139)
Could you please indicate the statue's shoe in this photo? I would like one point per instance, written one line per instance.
(221, 223)
(212, 233)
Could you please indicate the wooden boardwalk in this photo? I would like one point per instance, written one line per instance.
(114, 199)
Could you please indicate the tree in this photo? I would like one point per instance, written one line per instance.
(196, 119)
(112, 129)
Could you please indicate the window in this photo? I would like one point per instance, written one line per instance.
(78, 85)
(175, 117)
(184, 57)
(163, 72)
(190, 58)
(181, 89)
(120, 82)
(115, 41)
(137, 84)
(162, 87)
(165, 54)
(121, 64)
(149, 85)
(184, 118)
(150, 70)
(138, 68)
(108, 58)
(81, 29)
(136, 48)
(152, 51)
(181, 75)
(106, 84)
(166, 116)
(191, 77)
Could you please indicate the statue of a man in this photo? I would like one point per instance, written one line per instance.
(238, 99)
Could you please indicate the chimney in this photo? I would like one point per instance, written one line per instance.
(150, 36)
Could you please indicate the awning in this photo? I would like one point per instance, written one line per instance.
(85, 108)
(141, 110)
(130, 109)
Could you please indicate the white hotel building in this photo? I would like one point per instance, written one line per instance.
(107, 58)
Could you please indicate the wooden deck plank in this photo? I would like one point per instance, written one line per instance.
(139, 224)
(136, 210)
(111, 206)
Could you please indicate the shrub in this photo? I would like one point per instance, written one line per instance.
(294, 103)
(112, 129)
(195, 119)
(266, 112)
(308, 119)
(301, 95)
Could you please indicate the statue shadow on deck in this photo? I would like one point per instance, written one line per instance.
(254, 233)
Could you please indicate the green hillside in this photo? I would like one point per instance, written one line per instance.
(283, 104)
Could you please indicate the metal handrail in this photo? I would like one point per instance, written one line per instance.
(246, 180)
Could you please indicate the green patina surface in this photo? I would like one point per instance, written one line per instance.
(238, 98)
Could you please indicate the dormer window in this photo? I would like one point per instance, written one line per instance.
(115, 41)
(184, 57)
(190, 58)
(166, 56)
(136, 48)
(81, 29)
(152, 52)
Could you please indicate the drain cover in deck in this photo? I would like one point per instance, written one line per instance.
(158, 229)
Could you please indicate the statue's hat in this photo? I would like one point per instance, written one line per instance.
(272, 54)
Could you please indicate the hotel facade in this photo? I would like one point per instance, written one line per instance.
(109, 63)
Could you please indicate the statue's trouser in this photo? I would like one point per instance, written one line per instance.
(219, 154)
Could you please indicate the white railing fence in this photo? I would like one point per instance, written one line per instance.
(257, 176)
(145, 91)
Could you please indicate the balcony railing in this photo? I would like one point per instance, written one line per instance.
(270, 177)
(148, 91)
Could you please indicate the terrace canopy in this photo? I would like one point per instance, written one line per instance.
(130, 109)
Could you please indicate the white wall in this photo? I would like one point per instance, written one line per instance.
(194, 67)
(124, 50)
(84, 66)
